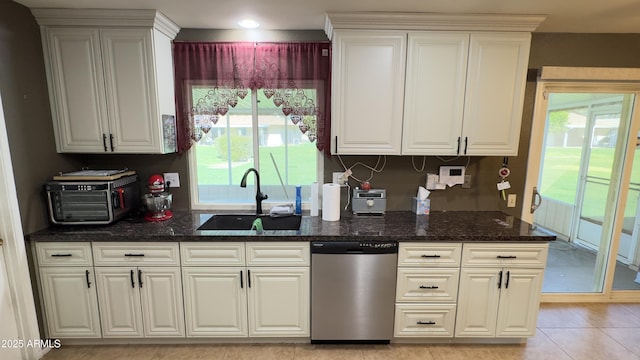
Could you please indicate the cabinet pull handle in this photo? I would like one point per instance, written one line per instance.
(249, 278)
(426, 322)
(506, 257)
(431, 256)
(104, 142)
(61, 255)
(140, 278)
(86, 273)
(241, 282)
(336, 144)
(428, 287)
(111, 141)
(133, 284)
(500, 280)
(135, 255)
(466, 143)
(506, 284)
(458, 150)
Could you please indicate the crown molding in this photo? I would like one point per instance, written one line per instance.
(147, 18)
(431, 21)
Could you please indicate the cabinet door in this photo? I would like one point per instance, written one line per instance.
(161, 296)
(478, 302)
(71, 302)
(119, 299)
(519, 302)
(131, 93)
(368, 91)
(494, 94)
(434, 92)
(76, 87)
(278, 302)
(215, 301)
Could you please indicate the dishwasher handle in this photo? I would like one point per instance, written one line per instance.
(354, 247)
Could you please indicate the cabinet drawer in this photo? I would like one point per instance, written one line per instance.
(212, 254)
(64, 254)
(278, 254)
(429, 255)
(512, 255)
(128, 254)
(424, 320)
(427, 285)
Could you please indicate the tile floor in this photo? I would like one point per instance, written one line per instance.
(565, 332)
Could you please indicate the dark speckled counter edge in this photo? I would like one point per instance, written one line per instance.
(439, 226)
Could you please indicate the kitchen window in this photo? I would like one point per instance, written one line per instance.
(252, 105)
(255, 133)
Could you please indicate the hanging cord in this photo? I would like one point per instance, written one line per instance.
(424, 161)
(373, 169)
(468, 161)
(348, 196)
(447, 160)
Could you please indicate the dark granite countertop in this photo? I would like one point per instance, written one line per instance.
(451, 226)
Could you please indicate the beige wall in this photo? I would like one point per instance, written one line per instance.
(24, 94)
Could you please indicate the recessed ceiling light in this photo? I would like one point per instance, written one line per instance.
(248, 24)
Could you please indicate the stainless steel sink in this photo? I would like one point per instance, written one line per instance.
(244, 222)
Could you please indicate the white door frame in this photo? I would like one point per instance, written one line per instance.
(15, 252)
(600, 80)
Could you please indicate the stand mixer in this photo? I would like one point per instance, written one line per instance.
(158, 200)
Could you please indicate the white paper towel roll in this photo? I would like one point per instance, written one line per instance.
(314, 199)
(330, 202)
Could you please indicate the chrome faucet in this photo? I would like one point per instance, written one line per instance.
(259, 195)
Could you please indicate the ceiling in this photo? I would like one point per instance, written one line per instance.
(575, 16)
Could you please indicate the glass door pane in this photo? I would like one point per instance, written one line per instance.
(575, 182)
(626, 275)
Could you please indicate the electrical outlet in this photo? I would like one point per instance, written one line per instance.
(511, 200)
(173, 179)
(467, 182)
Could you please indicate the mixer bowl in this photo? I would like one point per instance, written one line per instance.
(158, 206)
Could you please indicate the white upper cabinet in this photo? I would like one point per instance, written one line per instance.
(367, 91)
(458, 90)
(110, 78)
(496, 79)
(434, 95)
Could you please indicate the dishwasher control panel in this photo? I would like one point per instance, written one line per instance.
(354, 247)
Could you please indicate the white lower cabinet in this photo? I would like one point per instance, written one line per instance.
(266, 295)
(68, 289)
(215, 301)
(140, 302)
(500, 301)
(278, 301)
(427, 289)
(71, 302)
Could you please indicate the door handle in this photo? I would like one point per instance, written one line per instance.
(506, 284)
(428, 287)
(536, 200)
(241, 283)
(426, 322)
(104, 142)
(111, 142)
(86, 273)
(133, 284)
(500, 280)
(140, 278)
(249, 278)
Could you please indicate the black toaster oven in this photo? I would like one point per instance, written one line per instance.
(91, 202)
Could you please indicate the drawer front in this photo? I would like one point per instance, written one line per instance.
(512, 255)
(424, 320)
(128, 254)
(278, 254)
(64, 254)
(429, 255)
(212, 254)
(427, 285)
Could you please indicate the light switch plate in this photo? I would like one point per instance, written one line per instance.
(511, 200)
(173, 179)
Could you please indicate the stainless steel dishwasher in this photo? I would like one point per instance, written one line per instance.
(353, 287)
